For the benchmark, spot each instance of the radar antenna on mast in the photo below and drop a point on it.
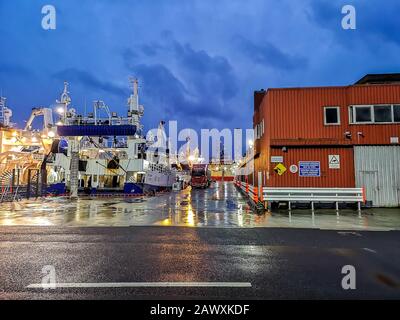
(64, 102)
(65, 98)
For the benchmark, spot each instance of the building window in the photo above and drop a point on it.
(374, 114)
(263, 127)
(363, 114)
(331, 115)
(383, 113)
(259, 130)
(396, 113)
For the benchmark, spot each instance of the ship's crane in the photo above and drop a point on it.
(47, 114)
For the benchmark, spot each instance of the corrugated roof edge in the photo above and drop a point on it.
(333, 87)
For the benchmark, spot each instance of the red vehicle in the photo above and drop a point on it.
(201, 176)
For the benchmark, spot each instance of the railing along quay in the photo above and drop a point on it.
(302, 195)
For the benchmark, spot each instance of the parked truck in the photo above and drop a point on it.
(201, 176)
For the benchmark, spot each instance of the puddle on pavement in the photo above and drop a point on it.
(219, 206)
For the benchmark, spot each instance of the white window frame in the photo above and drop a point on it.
(256, 131)
(352, 114)
(393, 105)
(262, 128)
(259, 130)
(338, 116)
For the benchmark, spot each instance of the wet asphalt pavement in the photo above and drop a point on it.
(220, 206)
(192, 237)
(278, 263)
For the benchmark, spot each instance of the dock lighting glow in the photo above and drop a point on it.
(51, 134)
(192, 158)
(34, 139)
(59, 123)
(13, 140)
(101, 151)
(60, 110)
(251, 143)
(14, 134)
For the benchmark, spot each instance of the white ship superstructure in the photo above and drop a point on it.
(108, 147)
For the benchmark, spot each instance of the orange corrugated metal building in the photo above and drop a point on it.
(304, 129)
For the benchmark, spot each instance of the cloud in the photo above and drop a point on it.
(376, 21)
(88, 80)
(265, 53)
(212, 75)
(165, 95)
(150, 50)
(196, 85)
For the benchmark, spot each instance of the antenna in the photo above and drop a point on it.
(84, 110)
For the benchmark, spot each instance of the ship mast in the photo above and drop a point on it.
(64, 102)
(135, 111)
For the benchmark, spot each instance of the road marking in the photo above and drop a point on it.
(369, 250)
(143, 285)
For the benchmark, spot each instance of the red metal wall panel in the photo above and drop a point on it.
(296, 116)
(341, 178)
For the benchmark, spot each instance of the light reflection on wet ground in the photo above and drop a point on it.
(219, 206)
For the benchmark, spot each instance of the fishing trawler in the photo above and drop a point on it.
(159, 173)
(104, 152)
(96, 153)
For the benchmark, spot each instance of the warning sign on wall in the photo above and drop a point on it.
(334, 161)
(280, 169)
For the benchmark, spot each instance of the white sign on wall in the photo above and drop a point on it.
(277, 159)
(294, 169)
(334, 161)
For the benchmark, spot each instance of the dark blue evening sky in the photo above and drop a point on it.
(198, 61)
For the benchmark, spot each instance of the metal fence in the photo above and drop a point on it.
(11, 188)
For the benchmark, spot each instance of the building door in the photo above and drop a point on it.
(260, 184)
(369, 181)
(377, 169)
